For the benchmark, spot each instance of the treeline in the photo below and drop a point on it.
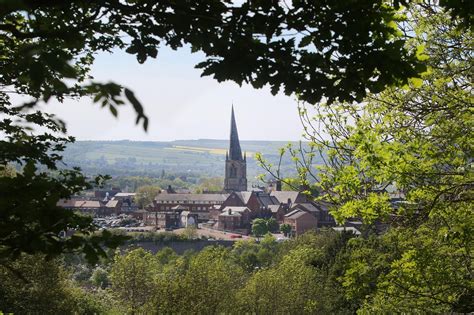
(325, 272)
(136, 158)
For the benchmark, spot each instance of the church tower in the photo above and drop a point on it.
(235, 164)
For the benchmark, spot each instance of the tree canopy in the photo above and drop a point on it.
(336, 51)
(403, 157)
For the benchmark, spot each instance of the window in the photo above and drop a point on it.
(233, 171)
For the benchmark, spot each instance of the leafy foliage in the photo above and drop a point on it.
(251, 255)
(146, 194)
(35, 285)
(415, 138)
(313, 49)
(285, 229)
(295, 48)
(132, 278)
(31, 221)
(404, 157)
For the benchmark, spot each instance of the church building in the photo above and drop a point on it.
(235, 163)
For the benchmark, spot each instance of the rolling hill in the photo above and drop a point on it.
(203, 157)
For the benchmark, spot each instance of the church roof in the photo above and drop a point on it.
(283, 196)
(244, 196)
(235, 153)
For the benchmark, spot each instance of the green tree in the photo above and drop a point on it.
(259, 227)
(33, 284)
(313, 49)
(146, 194)
(245, 254)
(31, 221)
(289, 288)
(285, 229)
(132, 277)
(213, 184)
(166, 256)
(205, 285)
(414, 143)
(190, 232)
(251, 255)
(100, 278)
(272, 225)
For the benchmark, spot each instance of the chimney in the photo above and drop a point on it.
(278, 185)
(230, 211)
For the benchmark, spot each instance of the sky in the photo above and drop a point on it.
(179, 103)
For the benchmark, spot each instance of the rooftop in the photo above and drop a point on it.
(296, 214)
(192, 197)
(283, 196)
(234, 211)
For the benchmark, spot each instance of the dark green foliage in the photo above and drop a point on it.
(35, 285)
(252, 256)
(100, 278)
(259, 227)
(339, 50)
(285, 229)
(272, 225)
(336, 50)
(30, 220)
(418, 138)
(159, 237)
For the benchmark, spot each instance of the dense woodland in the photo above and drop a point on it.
(385, 95)
(325, 272)
(314, 273)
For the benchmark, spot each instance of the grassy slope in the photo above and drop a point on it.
(203, 156)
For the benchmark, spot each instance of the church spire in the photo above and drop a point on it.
(235, 153)
(235, 164)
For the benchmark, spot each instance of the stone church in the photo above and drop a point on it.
(235, 162)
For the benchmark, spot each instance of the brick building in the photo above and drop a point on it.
(257, 202)
(195, 203)
(163, 220)
(300, 221)
(234, 218)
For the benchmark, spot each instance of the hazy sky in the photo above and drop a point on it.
(179, 103)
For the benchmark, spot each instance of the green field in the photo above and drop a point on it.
(205, 157)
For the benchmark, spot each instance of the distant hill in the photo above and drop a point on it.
(203, 157)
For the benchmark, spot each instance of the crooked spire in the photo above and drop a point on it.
(235, 153)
